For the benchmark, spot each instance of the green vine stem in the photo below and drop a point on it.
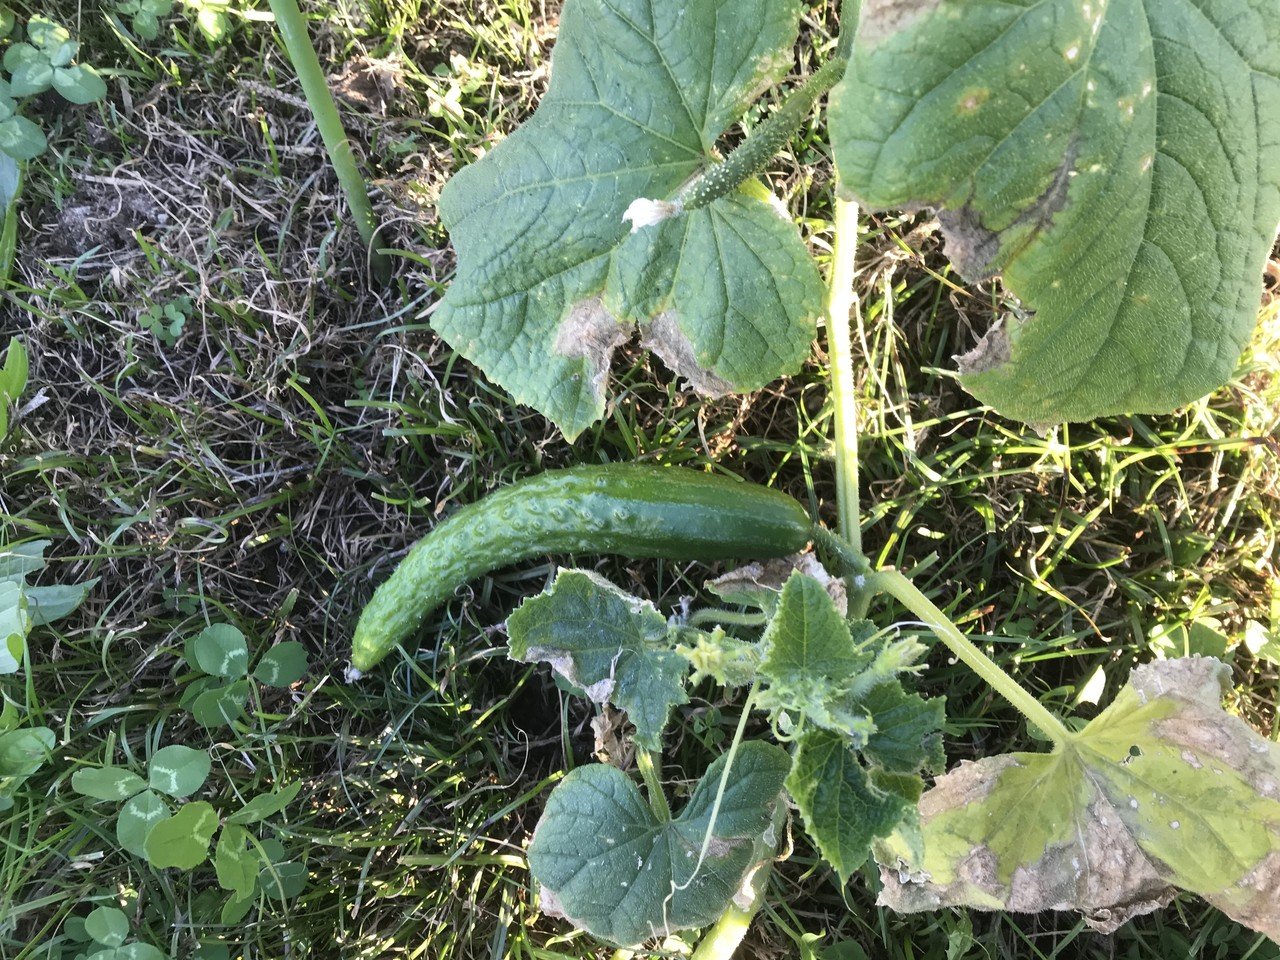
(293, 29)
(653, 786)
(841, 303)
(906, 592)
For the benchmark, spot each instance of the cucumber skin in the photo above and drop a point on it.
(636, 511)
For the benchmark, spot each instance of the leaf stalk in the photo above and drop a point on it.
(653, 786)
(902, 589)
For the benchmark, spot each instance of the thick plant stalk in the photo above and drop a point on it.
(841, 303)
(293, 29)
(906, 592)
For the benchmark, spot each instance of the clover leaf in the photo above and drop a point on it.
(1162, 790)
(727, 295)
(182, 840)
(1117, 163)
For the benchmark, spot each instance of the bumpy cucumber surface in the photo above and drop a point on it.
(630, 510)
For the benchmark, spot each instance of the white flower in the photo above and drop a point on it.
(646, 213)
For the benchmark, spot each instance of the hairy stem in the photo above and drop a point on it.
(293, 29)
(906, 592)
(730, 617)
(653, 786)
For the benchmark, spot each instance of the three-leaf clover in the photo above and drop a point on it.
(175, 771)
(221, 653)
(109, 928)
(166, 321)
(45, 61)
(144, 15)
(149, 827)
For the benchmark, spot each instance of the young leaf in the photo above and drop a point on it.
(816, 669)
(1117, 162)
(108, 926)
(282, 665)
(640, 91)
(136, 819)
(182, 840)
(178, 771)
(107, 783)
(266, 805)
(608, 865)
(22, 559)
(58, 600)
(236, 862)
(612, 645)
(219, 649)
(845, 806)
(1162, 790)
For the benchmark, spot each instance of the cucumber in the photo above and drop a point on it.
(630, 510)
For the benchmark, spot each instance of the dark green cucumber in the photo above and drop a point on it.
(633, 511)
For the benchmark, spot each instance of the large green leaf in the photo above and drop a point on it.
(549, 279)
(606, 863)
(1162, 790)
(1118, 161)
(612, 646)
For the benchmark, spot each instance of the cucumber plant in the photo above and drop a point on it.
(1117, 164)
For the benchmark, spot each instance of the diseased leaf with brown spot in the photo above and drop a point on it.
(1116, 161)
(551, 280)
(1162, 791)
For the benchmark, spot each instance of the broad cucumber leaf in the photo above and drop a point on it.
(1117, 161)
(1162, 790)
(608, 865)
(550, 280)
(614, 647)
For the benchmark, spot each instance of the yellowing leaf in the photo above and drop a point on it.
(1164, 790)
